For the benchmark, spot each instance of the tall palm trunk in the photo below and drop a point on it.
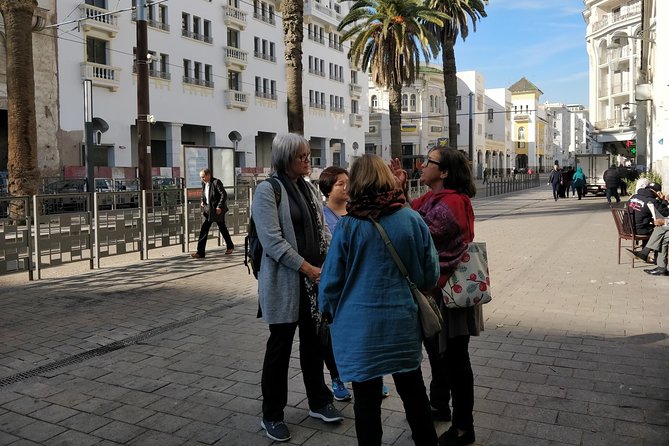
(395, 114)
(22, 127)
(293, 26)
(450, 87)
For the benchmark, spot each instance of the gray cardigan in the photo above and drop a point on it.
(278, 279)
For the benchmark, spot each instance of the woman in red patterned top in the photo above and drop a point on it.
(447, 210)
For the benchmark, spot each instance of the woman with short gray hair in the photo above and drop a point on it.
(294, 237)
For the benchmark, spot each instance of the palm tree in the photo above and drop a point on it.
(388, 37)
(457, 25)
(22, 127)
(292, 12)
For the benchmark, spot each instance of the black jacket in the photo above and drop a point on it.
(218, 198)
(643, 219)
(555, 177)
(612, 177)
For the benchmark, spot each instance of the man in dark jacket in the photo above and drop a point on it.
(214, 207)
(638, 204)
(612, 181)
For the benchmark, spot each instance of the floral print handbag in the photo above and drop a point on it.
(470, 283)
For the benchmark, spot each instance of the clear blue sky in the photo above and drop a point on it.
(543, 40)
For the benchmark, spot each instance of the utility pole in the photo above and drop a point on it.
(143, 125)
(471, 129)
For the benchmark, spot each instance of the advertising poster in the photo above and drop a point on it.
(197, 158)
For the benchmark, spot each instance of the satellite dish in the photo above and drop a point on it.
(235, 136)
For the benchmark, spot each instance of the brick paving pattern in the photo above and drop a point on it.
(168, 351)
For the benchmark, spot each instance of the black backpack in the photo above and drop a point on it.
(253, 250)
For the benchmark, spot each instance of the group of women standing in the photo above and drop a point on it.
(373, 318)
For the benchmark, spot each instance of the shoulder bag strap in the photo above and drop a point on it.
(393, 252)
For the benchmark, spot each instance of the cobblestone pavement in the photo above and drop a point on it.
(168, 351)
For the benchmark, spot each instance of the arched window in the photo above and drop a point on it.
(405, 102)
(413, 102)
(521, 133)
(374, 103)
(431, 103)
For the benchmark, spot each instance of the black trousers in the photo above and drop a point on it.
(612, 192)
(367, 409)
(274, 381)
(204, 232)
(452, 379)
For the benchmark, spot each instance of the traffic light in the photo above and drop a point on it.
(631, 145)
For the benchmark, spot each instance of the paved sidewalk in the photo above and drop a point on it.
(168, 351)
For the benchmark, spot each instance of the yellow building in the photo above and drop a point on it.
(529, 126)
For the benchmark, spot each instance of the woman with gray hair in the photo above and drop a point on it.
(294, 237)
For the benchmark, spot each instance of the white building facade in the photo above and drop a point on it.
(216, 80)
(615, 54)
(559, 130)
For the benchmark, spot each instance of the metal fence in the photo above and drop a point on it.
(504, 185)
(44, 231)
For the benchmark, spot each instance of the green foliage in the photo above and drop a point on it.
(653, 177)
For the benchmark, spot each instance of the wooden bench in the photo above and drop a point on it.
(624, 219)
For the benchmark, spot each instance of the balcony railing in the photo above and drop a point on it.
(317, 105)
(314, 8)
(155, 73)
(355, 89)
(267, 18)
(265, 95)
(607, 124)
(234, 17)
(265, 56)
(102, 75)
(99, 19)
(355, 120)
(198, 81)
(336, 77)
(631, 11)
(337, 109)
(236, 99)
(317, 72)
(235, 56)
(197, 36)
(335, 45)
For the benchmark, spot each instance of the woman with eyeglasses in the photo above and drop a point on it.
(447, 210)
(294, 237)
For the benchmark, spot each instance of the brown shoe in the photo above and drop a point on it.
(195, 255)
(229, 251)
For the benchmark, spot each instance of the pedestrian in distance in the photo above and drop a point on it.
(375, 325)
(448, 212)
(295, 238)
(214, 207)
(554, 180)
(578, 182)
(623, 175)
(567, 182)
(612, 182)
(486, 175)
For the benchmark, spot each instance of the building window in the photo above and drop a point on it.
(521, 133)
(354, 106)
(97, 3)
(412, 104)
(458, 128)
(458, 102)
(233, 38)
(374, 103)
(405, 102)
(234, 80)
(207, 31)
(208, 76)
(185, 24)
(96, 51)
(490, 114)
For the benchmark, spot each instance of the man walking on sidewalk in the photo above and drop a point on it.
(214, 206)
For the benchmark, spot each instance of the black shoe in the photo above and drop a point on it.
(451, 438)
(639, 255)
(657, 271)
(441, 414)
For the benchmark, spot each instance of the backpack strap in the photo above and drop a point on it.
(277, 189)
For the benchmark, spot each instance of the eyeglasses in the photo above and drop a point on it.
(304, 158)
(427, 161)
